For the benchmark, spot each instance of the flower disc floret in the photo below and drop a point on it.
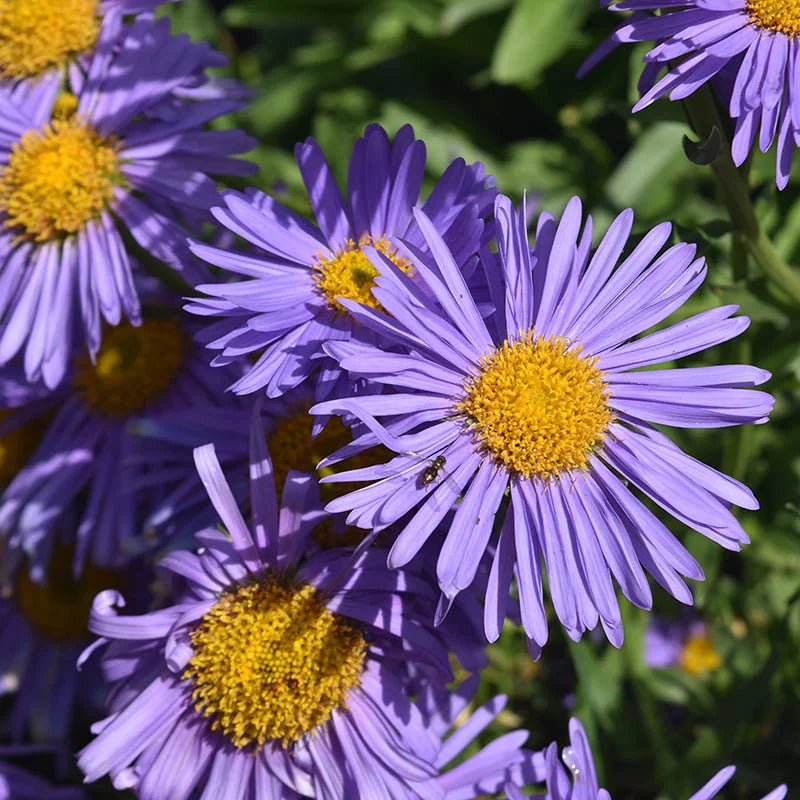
(134, 366)
(57, 179)
(779, 16)
(350, 273)
(59, 607)
(38, 34)
(538, 406)
(271, 662)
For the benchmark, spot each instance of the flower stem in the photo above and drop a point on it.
(704, 116)
(638, 674)
(738, 445)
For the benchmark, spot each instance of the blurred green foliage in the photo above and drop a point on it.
(494, 80)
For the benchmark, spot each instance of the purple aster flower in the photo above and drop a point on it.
(686, 644)
(279, 674)
(579, 780)
(87, 463)
(294, 446)
(696, 40)
(540, 419)
(125, 148)
(290, 306)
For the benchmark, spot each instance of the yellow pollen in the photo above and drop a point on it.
(538, 407)
(778, 16)
(17, 446)
(57, 179)
(60, 607)
(350, 274)
(36, 35)
(699, 656)
(134, 366)
(271, 663)
(65, 106)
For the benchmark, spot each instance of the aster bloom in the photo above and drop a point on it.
(124, 149)
(275, 674)
(297, 273)
(294, 445)
(43, 630)
(542, 403)
(684, 644)
(696, 40)
(85, 464)
(579, 780)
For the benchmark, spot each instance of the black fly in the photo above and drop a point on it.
(431, 472)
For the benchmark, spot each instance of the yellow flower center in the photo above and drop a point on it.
(272, 663)
(60, 608)
(350, 274)
(778, 16)
(134, 366)
(57, 179)
(38, 34)
(17, 446)
(699, 656)
(538, 407)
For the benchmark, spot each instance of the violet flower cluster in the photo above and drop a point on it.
(261, 536)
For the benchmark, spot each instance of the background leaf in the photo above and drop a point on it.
(535, 34)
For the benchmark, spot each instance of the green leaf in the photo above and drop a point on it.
(536, 33)
(460, 12)
(674, 686)
(599, 679)
(705, 152)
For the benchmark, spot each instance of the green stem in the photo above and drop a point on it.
(704, 116)
(655, 727)
(775, 268)
(737, 448)
(739, 258)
